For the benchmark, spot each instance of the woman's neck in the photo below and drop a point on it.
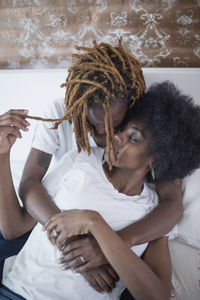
(126, 181)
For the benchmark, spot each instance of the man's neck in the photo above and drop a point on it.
(100, 140)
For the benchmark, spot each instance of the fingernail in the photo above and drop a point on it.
(26, 111)
(61, 261)
(25, 129)
(27, 123)
(65, 267)
(73, 270)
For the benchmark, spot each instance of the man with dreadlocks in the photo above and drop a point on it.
(98, 87)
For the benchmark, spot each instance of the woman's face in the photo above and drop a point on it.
(96, 117)
(131, 146)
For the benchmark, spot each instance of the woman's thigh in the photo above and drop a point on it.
(10, 247)
(7, 294)
(126, 295)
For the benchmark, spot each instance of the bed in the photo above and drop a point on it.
(34, 89)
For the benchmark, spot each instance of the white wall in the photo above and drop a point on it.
(31, 88)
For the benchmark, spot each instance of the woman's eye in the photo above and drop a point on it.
(133, 139)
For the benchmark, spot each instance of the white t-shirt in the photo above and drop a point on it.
(56, 141)
(78, 181)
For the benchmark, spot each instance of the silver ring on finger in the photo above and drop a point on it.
(54, 233)
(82, 259)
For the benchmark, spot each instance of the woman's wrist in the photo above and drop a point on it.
(94, 220)
(97, 225)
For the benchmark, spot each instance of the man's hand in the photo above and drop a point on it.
(102, 279)
(82, 255)
(10, 124)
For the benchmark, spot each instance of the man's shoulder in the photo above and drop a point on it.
(58, 105)
(59, 102)
(54, 109)
(94, 158)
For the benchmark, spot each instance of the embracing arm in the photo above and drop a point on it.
(166, 214)
(148, 279)
(40, 206)
(34, 196)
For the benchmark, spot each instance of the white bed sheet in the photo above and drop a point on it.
(186, 271)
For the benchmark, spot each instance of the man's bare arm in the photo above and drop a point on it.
(162, 218)
(34, 196)
(14, 220)
(40, 206)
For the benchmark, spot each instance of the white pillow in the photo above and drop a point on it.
(188, 228)
(185, 271)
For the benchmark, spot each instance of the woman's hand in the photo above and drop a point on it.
(69, 223)
(10, 124)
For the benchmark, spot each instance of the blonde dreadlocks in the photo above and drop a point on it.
(100, 75)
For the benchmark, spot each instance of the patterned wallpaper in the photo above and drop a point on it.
(42, 33)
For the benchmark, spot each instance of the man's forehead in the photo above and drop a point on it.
(96, 113)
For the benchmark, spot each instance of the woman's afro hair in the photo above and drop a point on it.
(174, 124)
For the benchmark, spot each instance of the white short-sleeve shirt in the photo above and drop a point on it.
(56, 141)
